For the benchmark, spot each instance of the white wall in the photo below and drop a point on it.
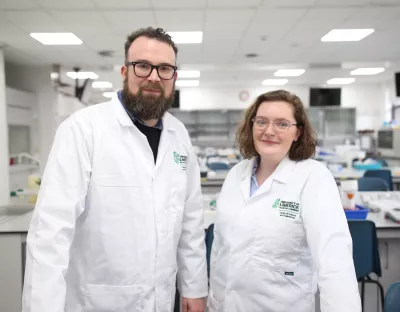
(22, 111)
(38, 81)
(369, 100)
(4, 159)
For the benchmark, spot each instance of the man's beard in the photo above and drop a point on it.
(147, 107)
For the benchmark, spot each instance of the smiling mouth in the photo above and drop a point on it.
(269, 142)
(152, 90)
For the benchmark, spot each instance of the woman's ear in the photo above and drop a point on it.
(299, 130)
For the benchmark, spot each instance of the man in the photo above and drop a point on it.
(120, 207)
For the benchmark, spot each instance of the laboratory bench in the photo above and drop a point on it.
(15, 220)
(344, 174)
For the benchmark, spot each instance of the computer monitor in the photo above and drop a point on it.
(325, 97)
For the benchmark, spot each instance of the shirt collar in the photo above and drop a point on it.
(281, 173)
(255, 165)
(135, 118)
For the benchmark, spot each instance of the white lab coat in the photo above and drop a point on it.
(110, 227)
(272, 250)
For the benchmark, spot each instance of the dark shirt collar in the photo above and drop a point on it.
(135, 118)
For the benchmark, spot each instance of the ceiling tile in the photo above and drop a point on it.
(99, 42)
(333, 17)
(178, 4)
(228, 20)
(278, 18)
(233, 4)
(70, 4)
(128, 21)
(34, 21)
(123, 4)
(288, 3)
(342, 3)
(18, 4)
(83, 22)
(180, 20)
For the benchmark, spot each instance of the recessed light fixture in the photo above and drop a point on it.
(101, 84)
(367, 71)
(289, 72)
(82, 75)
(109, 94)
(56, 38)
(188, 73)
(340, 81)
(346, 35)
(274, 82)
(187, 83)
(186, 36)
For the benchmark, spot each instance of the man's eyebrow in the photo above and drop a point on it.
(146, 61)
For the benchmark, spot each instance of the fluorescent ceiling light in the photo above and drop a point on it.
(187, 36)
(56, 38)
(367, 71)
(340, 81)
(188, 73)
(109, 94)
(187, 83)
(347, 34)
(289, 72)
(82, 75)
(274, 82)
(101, 84)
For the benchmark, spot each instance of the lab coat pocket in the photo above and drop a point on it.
(104, 298)
(278, 246)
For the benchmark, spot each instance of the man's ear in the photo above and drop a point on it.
(124, 71)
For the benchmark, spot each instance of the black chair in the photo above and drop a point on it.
(366, 255)
(392, 298)
(372, 185)
(383, 174)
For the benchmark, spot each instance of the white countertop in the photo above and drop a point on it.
(15, 219)
(349, 173)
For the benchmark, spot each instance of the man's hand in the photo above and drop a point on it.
(193, 305)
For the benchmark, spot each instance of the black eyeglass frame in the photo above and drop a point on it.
(152, 68)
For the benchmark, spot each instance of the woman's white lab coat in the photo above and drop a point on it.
(273, 250)
(110, 227)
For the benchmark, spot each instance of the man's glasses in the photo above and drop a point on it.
(144, 70)
(279, 125)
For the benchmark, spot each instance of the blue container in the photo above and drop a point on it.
(375, 166)
(360, 213)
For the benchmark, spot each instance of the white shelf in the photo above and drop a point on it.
(22, 168)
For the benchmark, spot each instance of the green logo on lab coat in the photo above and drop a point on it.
(176, 157)
(276, 203)
(180, 160)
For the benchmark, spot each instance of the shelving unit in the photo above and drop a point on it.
(333, 125)
(210, 127)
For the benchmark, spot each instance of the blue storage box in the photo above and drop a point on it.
(375, 166)
(360, 213)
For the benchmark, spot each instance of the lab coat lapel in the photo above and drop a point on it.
(167, 138)
(245, 180)
(280, 175)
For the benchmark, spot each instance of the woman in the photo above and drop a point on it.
(280, 231)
